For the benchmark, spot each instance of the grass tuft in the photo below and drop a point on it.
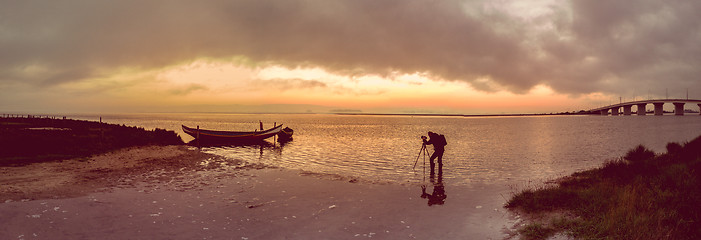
(639, 154)
(536, 231)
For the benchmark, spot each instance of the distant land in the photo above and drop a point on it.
(465, 115)
(321, 109)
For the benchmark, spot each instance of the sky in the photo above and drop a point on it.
(373, 56)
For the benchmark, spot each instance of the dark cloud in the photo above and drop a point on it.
(629, 46)
(578, 47)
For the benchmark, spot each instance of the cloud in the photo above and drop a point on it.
(627, 46)
(575, 47)
(286, 84)
(187, 89)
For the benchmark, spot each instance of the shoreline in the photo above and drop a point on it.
(34, 139)
(464, 115)
(177, 192)
(83, 175)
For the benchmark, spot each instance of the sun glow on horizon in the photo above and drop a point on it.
(212, 83)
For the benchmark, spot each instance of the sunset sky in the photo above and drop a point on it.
(379, 56)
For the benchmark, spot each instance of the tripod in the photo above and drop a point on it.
(423, 152)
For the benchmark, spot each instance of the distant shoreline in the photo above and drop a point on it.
(461, 115)
(580, 113)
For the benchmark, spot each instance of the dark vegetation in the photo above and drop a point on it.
(31, 140)
(640, 196)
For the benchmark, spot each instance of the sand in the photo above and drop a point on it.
(76, 177)
(177, 192)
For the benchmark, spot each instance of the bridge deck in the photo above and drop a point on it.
(646, 102)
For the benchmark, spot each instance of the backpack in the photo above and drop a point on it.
(441, 140)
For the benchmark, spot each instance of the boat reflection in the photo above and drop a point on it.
(438, 196)
(256, 152)
(262, 143)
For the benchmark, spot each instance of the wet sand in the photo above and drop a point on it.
(176, 192)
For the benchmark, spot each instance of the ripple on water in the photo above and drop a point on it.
(489, 149)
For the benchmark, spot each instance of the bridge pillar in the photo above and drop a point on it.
(679, 108)
(658, 108)
(626, 109)
(614, 111)
(641, 109)
(605, 112)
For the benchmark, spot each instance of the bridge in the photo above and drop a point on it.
(615, 109)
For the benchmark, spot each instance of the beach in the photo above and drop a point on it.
(178, 192)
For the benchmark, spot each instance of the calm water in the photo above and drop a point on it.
(480, 150)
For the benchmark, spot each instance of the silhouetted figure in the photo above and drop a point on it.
(438, 141)
(438, 196)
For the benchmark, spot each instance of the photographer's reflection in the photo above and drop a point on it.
(438, 196)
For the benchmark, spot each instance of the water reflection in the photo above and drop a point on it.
(495, 150)
(438, 196)
(260, 144)
(244, 151)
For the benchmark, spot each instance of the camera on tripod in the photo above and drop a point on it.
(422, 152)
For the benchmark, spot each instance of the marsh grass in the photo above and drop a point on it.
(639, 196)
(31, 140)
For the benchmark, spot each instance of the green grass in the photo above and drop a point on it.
(640, 196)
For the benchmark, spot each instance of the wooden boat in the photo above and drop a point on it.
(285, 135)
(230, 136)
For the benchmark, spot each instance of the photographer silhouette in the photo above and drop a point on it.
(438, 141)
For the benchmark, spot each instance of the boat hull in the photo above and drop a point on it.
(230, 136)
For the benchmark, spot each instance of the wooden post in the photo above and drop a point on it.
(274, 136)
(198, 136)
